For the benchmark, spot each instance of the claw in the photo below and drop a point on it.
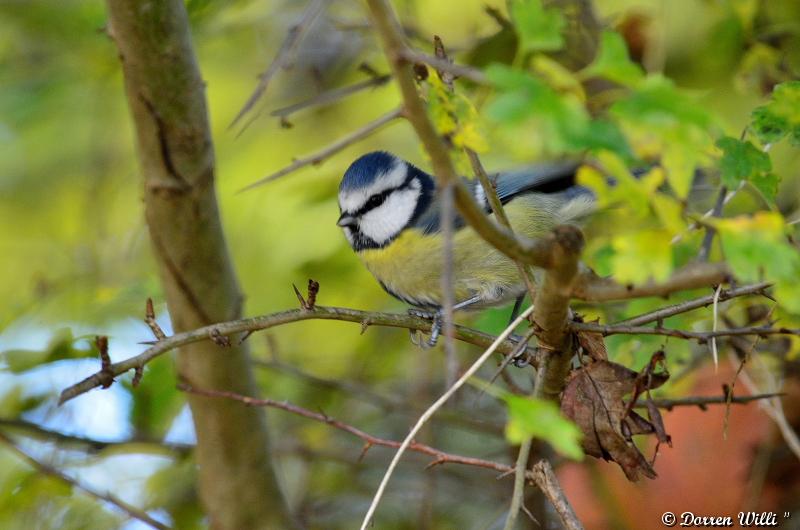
(436, 326)
(436, 329)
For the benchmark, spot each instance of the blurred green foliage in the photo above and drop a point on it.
(670, 108)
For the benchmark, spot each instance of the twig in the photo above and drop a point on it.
(708, 238)
(689, 305)
(446, 220)
(150, 320)
(91, 445)
(440, 457)
(774, 409)
(232, 327)
(318, 157)
(432, 410)
(448, 297)
(500, 213)
(591, 288)
(445, 65)
(46, 469)
(546, 479)
(697, 224)
(331, 96)
(282, 58)
(519, 484)
(715, 313)
(703, 401)
(700, 336)
(387, 403)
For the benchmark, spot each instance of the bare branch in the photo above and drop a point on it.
(708, 238)
(445, 65)
(703, 401)
(519, 484)
(700, 336)
(318, 157)
(689, 305)
(546, 479)
(48, 470)
(91, 445)
(233, 327)
(385, 402)
(591, 288)
(440, 457)
(283, 57)
(331, 96)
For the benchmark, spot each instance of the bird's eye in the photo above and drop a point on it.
(374, 201)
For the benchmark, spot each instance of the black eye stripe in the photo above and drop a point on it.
(379, 198)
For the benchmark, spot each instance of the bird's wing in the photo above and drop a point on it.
(557, 178)
(553, 177)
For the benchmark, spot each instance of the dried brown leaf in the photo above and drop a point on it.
(594, 399)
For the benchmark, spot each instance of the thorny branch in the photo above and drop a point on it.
(690, 305)
(700, 336)
(330, 96)
(234, 327)
(439, 457)
(48, 470)
(318, 157)
(91, 445)
(283, 57)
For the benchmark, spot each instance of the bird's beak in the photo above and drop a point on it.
(346, 220)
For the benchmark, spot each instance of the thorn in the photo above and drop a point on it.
(299, 297)
(367, 446)
(245, 336)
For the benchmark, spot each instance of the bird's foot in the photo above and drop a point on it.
(436, 325)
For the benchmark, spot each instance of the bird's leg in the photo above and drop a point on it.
(437, 317)
(517, 306)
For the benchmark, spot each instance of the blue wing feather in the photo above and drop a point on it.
(557, 178)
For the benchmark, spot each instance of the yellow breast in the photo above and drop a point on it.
(410, 267)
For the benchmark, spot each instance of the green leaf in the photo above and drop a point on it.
(756, 248)
(156, 401)
(561, 119)
(767, 184)
(537, 418)
(741, 160)
(781, 116)
(642, 256)
(613, 63)
(669, 122)
(538, 28)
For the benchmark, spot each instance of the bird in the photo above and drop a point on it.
(390, 213)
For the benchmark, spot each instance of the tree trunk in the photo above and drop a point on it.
(166, 96)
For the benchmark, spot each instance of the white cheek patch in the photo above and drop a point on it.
(387, 220)
(353, 200)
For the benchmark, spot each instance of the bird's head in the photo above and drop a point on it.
(379, 197)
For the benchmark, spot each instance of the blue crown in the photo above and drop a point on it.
(366, 169)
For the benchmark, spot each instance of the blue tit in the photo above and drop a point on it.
(390, 214)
